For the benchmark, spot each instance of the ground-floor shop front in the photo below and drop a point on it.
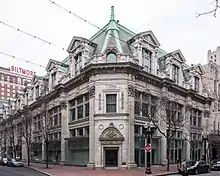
(77, 151)
(38, 151)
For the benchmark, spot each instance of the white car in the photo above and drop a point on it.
(4, 161)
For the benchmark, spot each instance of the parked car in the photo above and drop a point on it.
(196, 167)
(215, 166)
(15, 163)
(4, 161)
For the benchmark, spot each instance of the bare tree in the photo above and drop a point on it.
(213, 11)
(45, 121)
(26, 130)
(172, 115)
(11, 136)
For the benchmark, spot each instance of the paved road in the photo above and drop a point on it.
(18, 171)
(213, 173)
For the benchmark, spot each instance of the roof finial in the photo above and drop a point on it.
(112, 13)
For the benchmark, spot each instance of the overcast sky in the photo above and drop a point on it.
(173, 22)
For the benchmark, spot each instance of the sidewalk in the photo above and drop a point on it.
(60, 170)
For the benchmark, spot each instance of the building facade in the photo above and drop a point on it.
(12, 80)
(92, 108)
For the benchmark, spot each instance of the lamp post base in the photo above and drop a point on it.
(148, 170)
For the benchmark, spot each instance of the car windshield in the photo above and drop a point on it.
(191, 163)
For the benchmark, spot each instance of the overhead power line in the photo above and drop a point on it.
(86, 21)
(31, 35)
(18, 58)
(74, 14)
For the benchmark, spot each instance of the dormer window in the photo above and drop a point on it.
(111, 57)
(196, 83)
(147, 60)
(78, 63)
(37, 91)
(175, 74)
(53, 79)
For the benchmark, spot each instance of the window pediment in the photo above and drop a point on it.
(111, 135)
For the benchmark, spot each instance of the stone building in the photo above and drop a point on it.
(94, 105)
(212, 85)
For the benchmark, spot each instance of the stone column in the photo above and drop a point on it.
(24, 150)
(64, 130)
(186, 130)
(43, 156)
(131, 140)
(91, 163)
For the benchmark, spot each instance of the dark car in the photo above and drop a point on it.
(197, 167)
(215, 166)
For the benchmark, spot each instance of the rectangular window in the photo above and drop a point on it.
(19, 80)
(8, 78)
(147, 60)
(111, 105)
(196, 83)
(80, 131)
(78, 63)
(37, 93)
(79, 107)
(73, 132)
(175, 72)
(53, 79)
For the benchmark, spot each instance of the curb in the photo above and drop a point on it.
(164, 174)
(38, 170)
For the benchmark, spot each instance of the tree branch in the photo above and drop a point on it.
(214, 11)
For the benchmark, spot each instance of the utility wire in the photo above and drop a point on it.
(74, 14)
(31, 35)
(86, 21)
(18, 58)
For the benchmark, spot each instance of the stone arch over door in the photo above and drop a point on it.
(111, 136)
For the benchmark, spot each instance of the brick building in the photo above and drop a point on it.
(12, 80)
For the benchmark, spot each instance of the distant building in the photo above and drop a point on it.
(11, 80)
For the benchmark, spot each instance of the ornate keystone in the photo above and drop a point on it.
(131, 90)
(91, 91)
(63, 105)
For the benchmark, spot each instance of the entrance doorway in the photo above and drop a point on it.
(111, 157)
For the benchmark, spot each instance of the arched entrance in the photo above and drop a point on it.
(111, 140)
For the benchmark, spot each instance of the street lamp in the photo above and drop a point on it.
(204, 139)
(148, 148)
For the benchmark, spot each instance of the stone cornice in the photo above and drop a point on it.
(126, 67)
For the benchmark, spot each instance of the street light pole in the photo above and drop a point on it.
(205, 152)
(148, 136)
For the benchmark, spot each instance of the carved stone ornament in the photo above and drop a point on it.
(131, 90)
(91, 91)
(111, 136)
(63, 104)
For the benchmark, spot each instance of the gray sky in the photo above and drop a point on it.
(173, 22)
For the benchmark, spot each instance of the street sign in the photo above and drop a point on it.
(147, 147)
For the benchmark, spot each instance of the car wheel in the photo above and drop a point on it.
(196, 172)
(208, 170)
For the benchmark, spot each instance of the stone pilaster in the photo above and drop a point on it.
(131, 94)
(91, 163)
(24, 150)
(43, 157)
(64, 130)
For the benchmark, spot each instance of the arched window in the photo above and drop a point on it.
(111, 57)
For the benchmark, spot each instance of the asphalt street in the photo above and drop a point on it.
(213, 173)
(18, 171)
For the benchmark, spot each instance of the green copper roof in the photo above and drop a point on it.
(112, 35)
